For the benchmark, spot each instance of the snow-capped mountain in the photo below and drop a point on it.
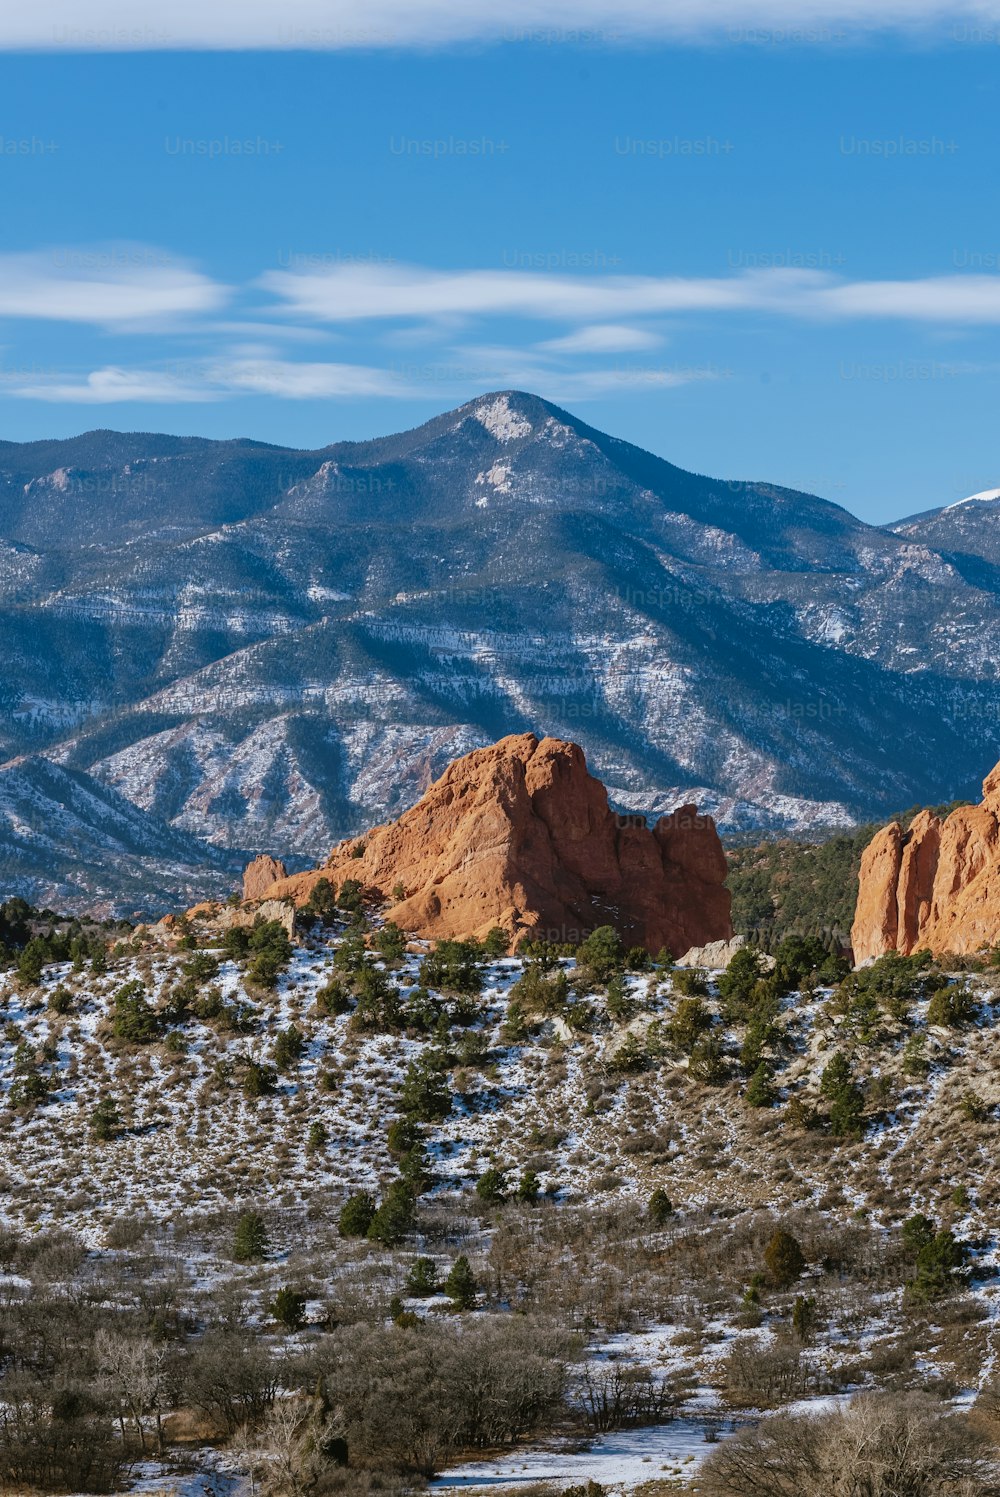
(269, 649)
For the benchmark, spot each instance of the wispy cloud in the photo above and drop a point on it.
(107, 286)
(114, 386)
(603, 338)
(360, 293)
(116, 25)
(288, 380)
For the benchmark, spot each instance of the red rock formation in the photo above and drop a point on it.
(936, 886)
(521, 835)
(259, 875)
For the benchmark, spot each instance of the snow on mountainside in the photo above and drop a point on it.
(264, 649)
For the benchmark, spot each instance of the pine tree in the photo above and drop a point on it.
(760, 1090)
(356, 1215)
(784, 1258)
(394, 1218)
(250, 1243)
(288, 1308)
(105, 1120)
(660, 1208)
(528, 1188)
(491, 1187)
(422, 1279)
(460, 1286)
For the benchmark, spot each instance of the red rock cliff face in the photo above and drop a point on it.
(935, 886)
(259, 875)
(521, 835)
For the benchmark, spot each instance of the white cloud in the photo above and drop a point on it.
(294, 381)
(286, 380)
(345, 294)
(603, 338)
(208, 381)
(112, 385)
(108, 286)
(117, 25)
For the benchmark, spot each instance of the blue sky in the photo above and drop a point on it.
(758, 258)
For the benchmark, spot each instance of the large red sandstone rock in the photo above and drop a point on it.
(259, 876)
(521, 835)
(936, 886)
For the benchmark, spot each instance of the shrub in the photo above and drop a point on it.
(939, 1261)
(258, 1080)
(453, 966)
(847, 1102)
(322, 902)
(629, 1056)
(390, 942)
(105, 1120)
(621, 1005)
(496, 942)
(333, 999)
(689, 982)
(352, 893)
(379, 1007)
(738, 984)
(60, 1000)
(289, 1047)
(804, 1316)
(250, 1243)
(951, 1007)
(879, 1444)
(403, 1135)
(317, 1137)
(356, 1215)
(708, 1064)
(784, 1258)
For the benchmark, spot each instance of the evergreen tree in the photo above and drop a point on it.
(760, 1088)
(394, 1218)
(105, 1120)
(424, 1095)
(660, 1208)
(784, 1258)
(288, 1308)
(422, 1280)
(601, 954)
(491, 1186)
(289, 1048)
(460, 1286)
(356, 1215)
(804, 1316)
(528, 1188)
(390, 942)
(134, 1020)
(250, 1243)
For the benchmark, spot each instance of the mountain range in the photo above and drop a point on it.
(215, 648)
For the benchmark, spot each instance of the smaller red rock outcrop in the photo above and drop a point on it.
(259, 875)
(934, 886)
(521, 835)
